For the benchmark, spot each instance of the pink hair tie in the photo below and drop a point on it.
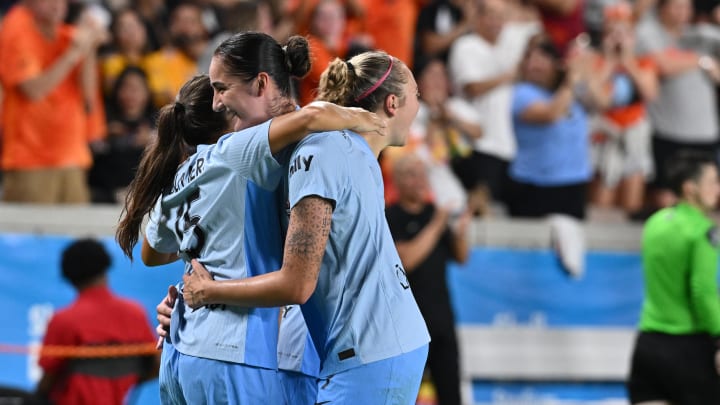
(379, 82)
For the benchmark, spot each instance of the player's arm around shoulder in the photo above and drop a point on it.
(294, 283)
(307, 237)
(152, 257)
(320, 116)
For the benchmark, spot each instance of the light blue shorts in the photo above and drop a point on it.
(189, 380)
(299, 389)
(393, 381)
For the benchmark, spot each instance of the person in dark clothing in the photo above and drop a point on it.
(427, 238)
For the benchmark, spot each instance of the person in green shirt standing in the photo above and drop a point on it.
(676, 359)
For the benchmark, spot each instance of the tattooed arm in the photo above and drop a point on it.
(307, 236)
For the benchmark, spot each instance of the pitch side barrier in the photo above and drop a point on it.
(521, 318)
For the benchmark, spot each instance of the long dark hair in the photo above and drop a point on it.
(113, 101)
(189, 121)
(246, 54)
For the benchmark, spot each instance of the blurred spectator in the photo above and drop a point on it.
(483, 66)
(300, 12)
(552, 167)
(391, 24)
(130, 46)
(621, 138)
(685, 113)
(78, 380)
(154, 15)
(171, 66)
(439, 24)
(51, 108)
(328, 40)
(444, 129)
(241, 16)
(426, 242)
(130, 126)
(563, 20)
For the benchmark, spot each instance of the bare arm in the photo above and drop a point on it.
(547, 112)
(434, 43)
(471, 129)
(460, 245)
(152, 257)
(645, 79)
(39, 86)
(475, 89)
(294, 283)
(675, 63)
(414, 251)
(320, 116)
(89, 81)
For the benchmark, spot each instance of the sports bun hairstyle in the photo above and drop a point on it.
(363, 81)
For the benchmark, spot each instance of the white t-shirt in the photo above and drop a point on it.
(473, 59)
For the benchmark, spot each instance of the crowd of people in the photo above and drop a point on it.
(538, 106)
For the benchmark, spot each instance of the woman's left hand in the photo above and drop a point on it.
(195, 285)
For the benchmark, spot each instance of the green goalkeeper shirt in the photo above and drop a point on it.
(680, 265)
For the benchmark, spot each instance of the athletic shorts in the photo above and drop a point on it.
(679, 369)
(197, 381)
(391, 381)
(665, 150)
(298, 388)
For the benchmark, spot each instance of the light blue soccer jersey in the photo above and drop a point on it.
(296, 351)
(362, 309)
(220, 210)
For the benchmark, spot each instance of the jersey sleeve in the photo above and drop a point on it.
(248, 153)
(157, 233)
(703, 281)
(317, 167)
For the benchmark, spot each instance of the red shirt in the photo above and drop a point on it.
(97, 317)
(562, 29)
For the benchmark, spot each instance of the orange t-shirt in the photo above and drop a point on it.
(167, 70)
(391, 23)
(52, 132)
(321, 57)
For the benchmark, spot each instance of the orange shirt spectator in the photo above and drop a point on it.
(51, 131)
(321, 57)
(327, 40)
(391, 23)
(301, 12)
(171, 66)
(168, 69)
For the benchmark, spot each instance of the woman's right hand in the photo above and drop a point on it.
(164, 310)
(366, 121)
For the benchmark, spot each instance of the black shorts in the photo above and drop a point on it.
(664, 150)
(679, 369)
(531, 201)
(482, 169)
